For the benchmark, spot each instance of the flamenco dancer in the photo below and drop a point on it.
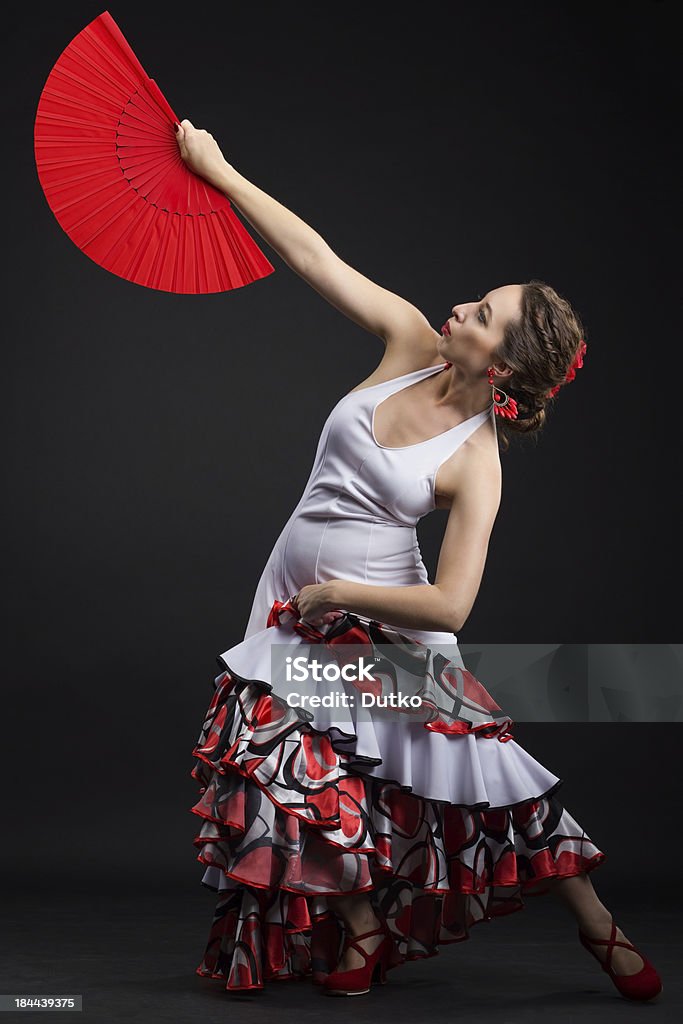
(338, 855)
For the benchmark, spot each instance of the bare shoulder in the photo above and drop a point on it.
(405, 352)
(475, 468)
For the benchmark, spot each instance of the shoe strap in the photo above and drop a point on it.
(353, 940)
(611, 943)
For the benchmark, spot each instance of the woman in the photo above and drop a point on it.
(340, 851)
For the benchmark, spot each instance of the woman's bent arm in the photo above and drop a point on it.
(446, 603)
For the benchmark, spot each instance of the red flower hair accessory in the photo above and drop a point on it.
(571, 372)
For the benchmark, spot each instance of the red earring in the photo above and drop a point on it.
(504, 404)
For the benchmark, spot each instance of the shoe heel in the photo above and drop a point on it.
(358, 980)
(379, 974)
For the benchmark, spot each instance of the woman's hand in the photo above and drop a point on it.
(316, 603)
(200, 151)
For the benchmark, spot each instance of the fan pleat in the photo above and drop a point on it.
(218, 255)
(110, 168)
(96, 222)
(108, 75)
(106, 27)
(165, 262)
(144, 248)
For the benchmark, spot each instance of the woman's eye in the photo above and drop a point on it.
(482, 316)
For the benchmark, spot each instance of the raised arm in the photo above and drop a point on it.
(372, 307)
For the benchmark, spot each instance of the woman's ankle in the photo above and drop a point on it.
(357, 916)
(366, 922)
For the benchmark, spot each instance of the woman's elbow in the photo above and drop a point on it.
(455, 608)
(450, 616)
(455, 624)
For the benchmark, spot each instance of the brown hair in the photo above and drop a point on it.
(539, 348)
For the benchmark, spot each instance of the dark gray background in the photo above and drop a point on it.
(156, 443)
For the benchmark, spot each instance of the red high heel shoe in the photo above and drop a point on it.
(645, 984)
(357, 982)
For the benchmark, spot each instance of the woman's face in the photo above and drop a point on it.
(470, 337)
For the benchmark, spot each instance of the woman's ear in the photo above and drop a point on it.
(502, 369)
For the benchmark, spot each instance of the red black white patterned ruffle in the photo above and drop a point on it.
(287, 821)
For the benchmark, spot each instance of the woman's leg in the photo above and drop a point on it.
(594, 919)
(358, 915)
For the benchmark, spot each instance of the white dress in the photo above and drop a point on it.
(456, 824)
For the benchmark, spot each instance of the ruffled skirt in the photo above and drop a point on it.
(443, 827)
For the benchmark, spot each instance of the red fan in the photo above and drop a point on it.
(110, 167)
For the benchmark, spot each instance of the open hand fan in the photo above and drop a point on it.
(110, 167)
